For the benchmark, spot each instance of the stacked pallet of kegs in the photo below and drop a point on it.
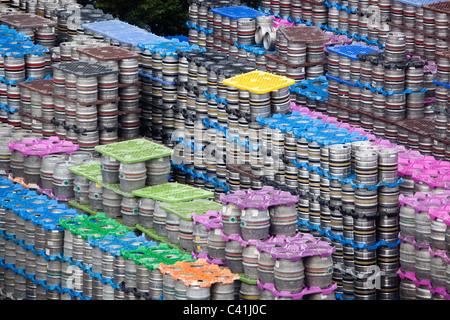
(260, 241)
(441, 147)
(424, 24)
(125, 87)
(197, 280)
(230, 28)
(50, 252)
(76, 86)
(299, 52)
(13, 134)
(348, 191)
(71, 17)
(106, 184)
(384, 93)
(424, 248)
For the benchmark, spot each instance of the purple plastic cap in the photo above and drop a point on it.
(211, 219)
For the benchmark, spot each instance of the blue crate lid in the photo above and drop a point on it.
(123, 32)
(351, 51)
(180, 38)
(238, 12)
(314, 89)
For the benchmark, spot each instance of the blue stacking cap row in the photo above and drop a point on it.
(123, 32)
(256, 49)
(32, 206)
(199, 29)
(339, 6)
(17, 44)
(351, 51)
(238, 12)
(203, 176)
(312, 130)
(314, 89)
(369, 86)
(170, 47)
(180, 38)
(443, 84)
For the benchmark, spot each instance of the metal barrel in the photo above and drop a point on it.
(318, 271)
(249, 291)
(216, 244)
(438, 234)
(422, 226)
(231, 219)
(423, 264)
(128, 70)
(246, 28)
(108, 87)
(62, 180)
(366, 167)
(109, 169)
(158, 170)
(250, 262)
(289, 275)
(172, 223)
(132, 176)
(111, 203)
(86, 89)
(364, 230)
(280, 101)
(233, 254)
(395, 47)
(129, 211)
(81, 189)
(88, 140)
(31, 169)
(87, 117)
(339, 160)
(14, 67)
(35, 65)
(95, 196)
(221, 291)
(266, 266)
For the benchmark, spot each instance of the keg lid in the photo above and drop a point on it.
(237, 12)
(84, 69)
(123, 32)
(352, 51)
(258, 82)
(441, 213)
(295, 248)
(198, 273)
(26, 21)
(108, 53)
(38, 147)
(194, 210)
(172, 192)
(304, 34)
(44, 87)
(440, 6)
(133, 151)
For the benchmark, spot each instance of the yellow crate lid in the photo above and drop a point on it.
(259, 82)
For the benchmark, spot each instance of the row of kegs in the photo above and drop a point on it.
(391, 102)
(352, 19)
(66, 256)
(195, 91)
(425, 246)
